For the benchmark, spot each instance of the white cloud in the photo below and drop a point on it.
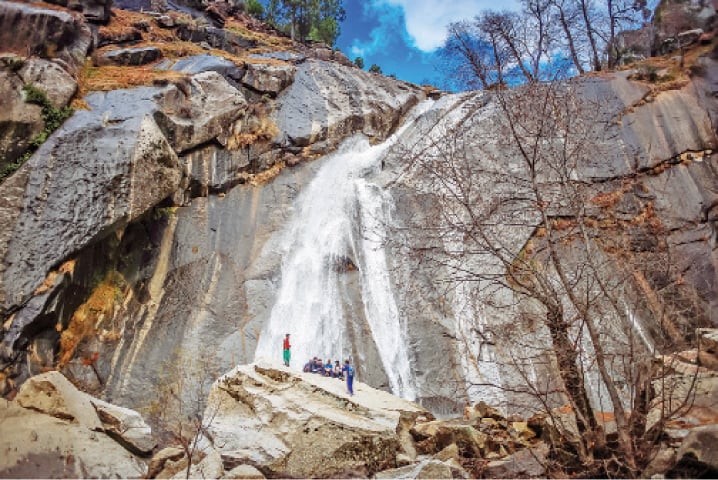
(389, 19)
(426, 20)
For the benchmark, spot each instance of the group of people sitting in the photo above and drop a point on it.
(316, 365)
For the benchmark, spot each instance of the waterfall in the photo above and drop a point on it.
(339, 217)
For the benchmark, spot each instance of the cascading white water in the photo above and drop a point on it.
(478, 357)
(339, 216)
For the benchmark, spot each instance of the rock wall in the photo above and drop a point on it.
(170, 229)
(146, 229)
(642, 155)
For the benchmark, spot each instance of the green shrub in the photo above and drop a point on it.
(255, 9)
(52, 117)
(646, 73)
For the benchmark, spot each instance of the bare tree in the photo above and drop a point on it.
(180, 411)
(621, 13)
(566, 13)
(546, 250)
(521, 47)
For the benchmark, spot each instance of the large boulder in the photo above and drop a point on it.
(96, 11)
(304, 425)
(268, 78)
(58, 85)
(199, 110)
(20, 121)
(129, 56)
(51, 393)
(60, 35)
(206, 63)
(52, 430)
(104, 167)
(328, 102)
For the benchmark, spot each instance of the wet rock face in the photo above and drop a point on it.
(115, 150)
(660, 169)
(118, 128)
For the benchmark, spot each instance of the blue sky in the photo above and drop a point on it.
(401, 36)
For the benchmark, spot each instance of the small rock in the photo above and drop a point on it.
(522, 430)
(452, 451)
(127, 426)
(165, 21)
(485, 411)
(527, 462)
(209, 467)
(435, 469)
(664, 460)
(159, 460)
(700, 445)
(130, 56)
(403, 459)
(244, 472)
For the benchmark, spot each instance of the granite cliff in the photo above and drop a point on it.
(216, 187)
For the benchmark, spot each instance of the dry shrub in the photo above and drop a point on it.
(86, 319)
(274, 41)
(563, 223)
(122, 22)
(608, 199)
(49, 282)
(113, 77)
(265, 176)
(256, 127)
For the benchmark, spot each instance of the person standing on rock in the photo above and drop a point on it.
(349, 373)
(287, 352)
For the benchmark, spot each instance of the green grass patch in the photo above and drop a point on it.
(52, 117)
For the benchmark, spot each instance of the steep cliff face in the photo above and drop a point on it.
(149, 209)
(646, 168)
(161, 223)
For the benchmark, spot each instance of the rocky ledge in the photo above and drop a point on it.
(275, 422)
(267, 421)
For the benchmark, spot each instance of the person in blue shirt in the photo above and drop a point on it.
(328, 368)
(349, 374)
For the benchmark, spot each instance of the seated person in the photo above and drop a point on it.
(328, 368)
(308, 366)
(317, 367)
(337, 373)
